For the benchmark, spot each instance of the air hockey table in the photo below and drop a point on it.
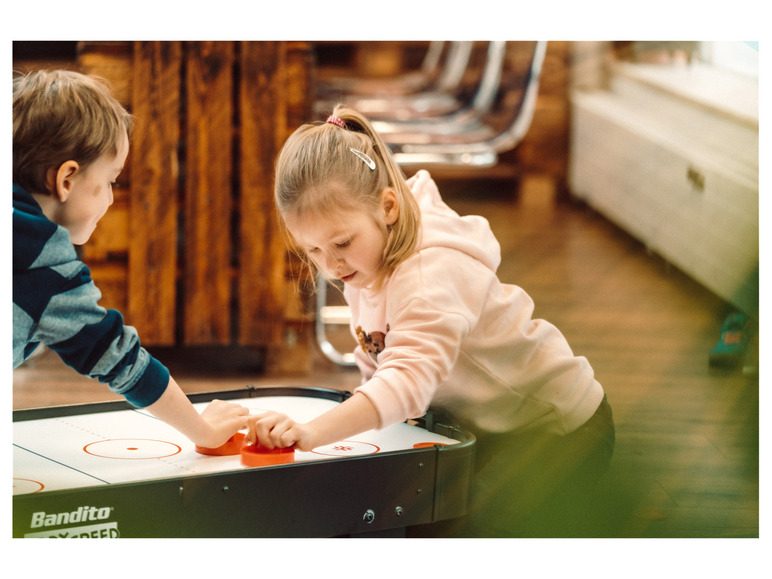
(110, 470)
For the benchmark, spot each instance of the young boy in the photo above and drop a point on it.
(70, 142)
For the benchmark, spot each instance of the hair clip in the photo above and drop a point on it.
(368, 161)
(336, 121)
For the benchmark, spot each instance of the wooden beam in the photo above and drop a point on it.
(208, 192)
(154, 175)
(261, 287)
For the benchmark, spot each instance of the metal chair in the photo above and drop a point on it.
(457, 121)
(441, 97)
(410, 82)
(326, 315)
(474, 140)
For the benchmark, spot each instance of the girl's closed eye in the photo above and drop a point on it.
(342, 244)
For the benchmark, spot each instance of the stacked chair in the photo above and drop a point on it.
(432, 91)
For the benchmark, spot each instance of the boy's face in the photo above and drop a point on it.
(91, 193)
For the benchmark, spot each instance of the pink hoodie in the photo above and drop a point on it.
(445, 331)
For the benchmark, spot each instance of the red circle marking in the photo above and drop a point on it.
(112, 449)
(32, 483)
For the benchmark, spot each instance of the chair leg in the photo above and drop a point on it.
(330, 315)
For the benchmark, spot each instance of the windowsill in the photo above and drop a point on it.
(729, 93)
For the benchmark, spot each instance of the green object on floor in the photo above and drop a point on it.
(732, 344)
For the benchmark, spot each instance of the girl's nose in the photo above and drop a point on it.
(332, 260)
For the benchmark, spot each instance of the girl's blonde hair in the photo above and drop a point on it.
(60, 116)
(318, 172)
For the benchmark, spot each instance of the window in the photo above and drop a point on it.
(740, 57)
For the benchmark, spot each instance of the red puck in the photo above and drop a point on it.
(258, 455)
(232, 447)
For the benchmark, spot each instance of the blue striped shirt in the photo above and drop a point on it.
(55, 302)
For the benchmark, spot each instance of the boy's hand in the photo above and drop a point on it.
(211, 428)
(224, 420)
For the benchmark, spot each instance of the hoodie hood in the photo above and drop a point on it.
(443, 227)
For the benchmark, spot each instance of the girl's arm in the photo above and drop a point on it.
(351, 417)
(212, 428)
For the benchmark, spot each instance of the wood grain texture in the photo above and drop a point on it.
(155, 169)
(273, 99)
(208, 193)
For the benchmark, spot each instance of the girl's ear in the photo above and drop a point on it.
(390, 205)
(59, 180)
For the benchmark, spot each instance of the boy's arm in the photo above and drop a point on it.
(212, 428)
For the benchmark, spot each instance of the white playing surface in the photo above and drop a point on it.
(131, 445)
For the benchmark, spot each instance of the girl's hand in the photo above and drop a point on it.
(275, 430)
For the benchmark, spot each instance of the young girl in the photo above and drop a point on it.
(437, 328)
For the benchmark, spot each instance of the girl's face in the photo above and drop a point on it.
(349, 244)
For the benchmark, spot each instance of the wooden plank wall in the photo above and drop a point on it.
(274, 99)
(192, 253)
(208, 193)
(151, 283)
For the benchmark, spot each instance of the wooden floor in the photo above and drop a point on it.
(686, 461)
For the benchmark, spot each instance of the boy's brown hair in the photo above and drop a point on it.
(59, 116)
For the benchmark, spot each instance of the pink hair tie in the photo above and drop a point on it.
(336, 121)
